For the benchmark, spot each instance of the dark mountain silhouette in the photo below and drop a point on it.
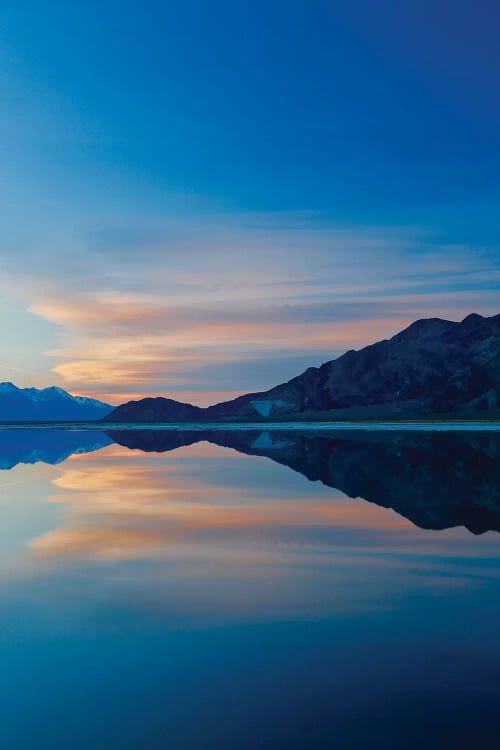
(433, 366)
(156, 410)
(47, 404)
(437, 480)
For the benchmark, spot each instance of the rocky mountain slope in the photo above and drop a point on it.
(433, 366)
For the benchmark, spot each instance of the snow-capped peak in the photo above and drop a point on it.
(47, 404)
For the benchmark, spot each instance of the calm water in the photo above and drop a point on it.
(249, 589)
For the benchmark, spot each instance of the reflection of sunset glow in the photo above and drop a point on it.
(206, 531)
(95, 542)
(121, 505)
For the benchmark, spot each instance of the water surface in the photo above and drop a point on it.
(251, 588)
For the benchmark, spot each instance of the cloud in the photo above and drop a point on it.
(166, 308)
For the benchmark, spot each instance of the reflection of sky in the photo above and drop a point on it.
(207, 599)
(204, 532)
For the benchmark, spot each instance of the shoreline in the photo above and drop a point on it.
(438, 425)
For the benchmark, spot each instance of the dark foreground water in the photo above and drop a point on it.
(243, 590)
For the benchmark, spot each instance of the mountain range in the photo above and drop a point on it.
(47, 404)
(434, 366)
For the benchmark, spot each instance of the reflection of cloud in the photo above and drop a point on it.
(96, 543)
(122, 506)
(204, 533)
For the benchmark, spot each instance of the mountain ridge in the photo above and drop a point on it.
(47, 404)
(432, 366)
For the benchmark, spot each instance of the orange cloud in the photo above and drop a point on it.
(247, 288)
(118, 343)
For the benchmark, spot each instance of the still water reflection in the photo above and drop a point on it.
(180, 590)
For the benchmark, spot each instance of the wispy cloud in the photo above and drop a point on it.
(165, 309)
(12, 369)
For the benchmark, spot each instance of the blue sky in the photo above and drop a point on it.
(201, 199)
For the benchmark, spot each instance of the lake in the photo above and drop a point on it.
(243, 589)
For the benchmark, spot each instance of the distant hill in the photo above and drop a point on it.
(47, 404)
(433, 366)
(156, 410)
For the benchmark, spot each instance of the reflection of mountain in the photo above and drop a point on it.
(435, 479)
(48, 446)
(160, 441)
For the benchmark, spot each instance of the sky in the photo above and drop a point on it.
(201, 199)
